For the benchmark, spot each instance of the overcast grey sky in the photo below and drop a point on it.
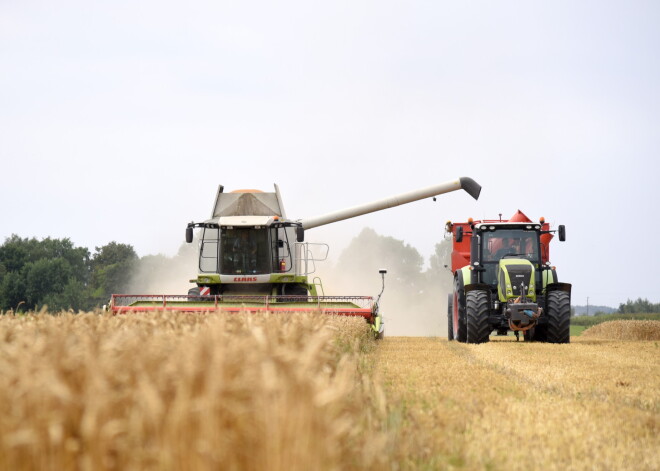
(119, 119)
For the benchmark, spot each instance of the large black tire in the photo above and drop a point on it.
(450, 317)
(194, 291)
(478, 328)
(539, 333)
(458, 305)
(559, 317)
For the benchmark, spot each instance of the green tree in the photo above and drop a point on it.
(640, 306)
(112, 268)
(12, 292)
(36, 272)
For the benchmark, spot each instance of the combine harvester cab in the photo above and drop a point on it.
(503, 280)
(253, 258)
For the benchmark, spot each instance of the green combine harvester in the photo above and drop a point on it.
(253, 258)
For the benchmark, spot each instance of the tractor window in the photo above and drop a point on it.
(514, 243)
(245, 251)
(498, 244)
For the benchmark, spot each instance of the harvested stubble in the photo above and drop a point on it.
(178, 391)
(625, 330)
(503, 405)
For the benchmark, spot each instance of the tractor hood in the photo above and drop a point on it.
(511, 274)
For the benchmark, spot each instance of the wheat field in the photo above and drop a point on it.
(169, 391)
(187, 392)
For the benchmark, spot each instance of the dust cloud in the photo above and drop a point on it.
(158, 274)
(414, 302)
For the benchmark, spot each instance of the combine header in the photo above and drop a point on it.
(253, 258)
(503, 280)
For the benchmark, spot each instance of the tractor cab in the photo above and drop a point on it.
(507, 257)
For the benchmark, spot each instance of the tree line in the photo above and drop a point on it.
(53, 272)
(639, 306)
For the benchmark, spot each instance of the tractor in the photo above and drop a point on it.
(504, 281)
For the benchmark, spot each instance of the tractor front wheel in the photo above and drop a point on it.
(478, 328)
(558, 329)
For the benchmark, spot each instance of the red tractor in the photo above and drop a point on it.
(503, 280)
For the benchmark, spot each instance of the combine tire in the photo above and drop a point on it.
(478, 328)
(450, 318)
(558, 329)
(194, 291)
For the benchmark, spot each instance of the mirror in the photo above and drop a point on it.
(189, 234)
(459, 234)
(562, 233)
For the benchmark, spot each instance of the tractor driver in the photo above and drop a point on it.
(509, 247)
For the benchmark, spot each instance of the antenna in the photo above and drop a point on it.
(382, 272)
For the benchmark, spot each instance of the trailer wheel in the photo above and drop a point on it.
(458, 309)
(478, 328)
(450, 317)
(558, 329)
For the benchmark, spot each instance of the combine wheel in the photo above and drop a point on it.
(450, 318)
(558, 329)
(194, 291)
(478, 328)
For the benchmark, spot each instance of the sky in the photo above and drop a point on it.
(118, 121)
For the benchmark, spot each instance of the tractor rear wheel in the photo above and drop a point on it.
(450, 317)
(558, 329)
(478, 328)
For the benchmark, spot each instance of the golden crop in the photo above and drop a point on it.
(305, 391)
(625, 330)
(180, 391)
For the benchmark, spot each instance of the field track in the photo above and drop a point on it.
(591, 404)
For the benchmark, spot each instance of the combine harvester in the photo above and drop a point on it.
(503, 280)
(253, 258)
